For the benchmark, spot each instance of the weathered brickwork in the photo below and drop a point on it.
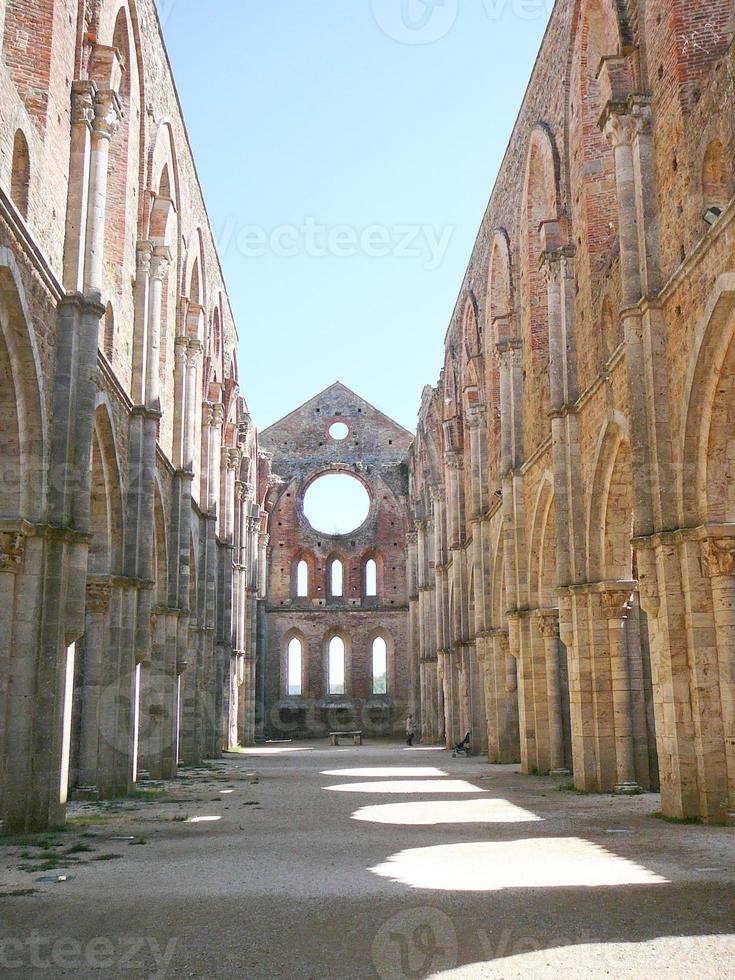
(130, 519)
(571, 478)
(374, 452)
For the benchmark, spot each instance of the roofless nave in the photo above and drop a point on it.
(549, 563)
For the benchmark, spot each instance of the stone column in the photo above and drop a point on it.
(160, 261)
(75, 248)
(616, 605)
(215, 462)
(181, 358)
(141, 297)
(509, 353)
(194, 353)
(12, 545)
(547, 622)
(96, 649)
(505, 737)
(415, 705)
(107, 116)
(719, 563)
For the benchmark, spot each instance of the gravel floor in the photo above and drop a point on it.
(377, 861)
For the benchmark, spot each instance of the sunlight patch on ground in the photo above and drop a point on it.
(425, 748)
(409, 786)
(550, 862)
(380, 771)
(203, 819)
(704, 957)
(274, 750)
(430, 812)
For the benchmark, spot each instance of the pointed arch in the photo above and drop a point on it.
(542, 563)
(337, 662)
(381, 647)
(160, 543)
(106, 504)
(336, 576)
(540, 231)
(716, 177)
(20, 176)
(295, 667)
(594, 209)
(707, 485)
(22, 401)
(500, 288)
(610, 506)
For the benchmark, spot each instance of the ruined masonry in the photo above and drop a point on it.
(549, 564)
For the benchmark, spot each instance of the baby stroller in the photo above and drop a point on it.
(463, 747)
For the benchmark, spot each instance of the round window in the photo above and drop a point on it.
(336, 503)
(339, 431)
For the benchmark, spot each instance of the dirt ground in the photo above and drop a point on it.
(304, 861)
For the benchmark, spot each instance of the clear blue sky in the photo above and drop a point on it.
(347, 150)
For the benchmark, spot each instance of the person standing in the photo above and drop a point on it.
(409, 730)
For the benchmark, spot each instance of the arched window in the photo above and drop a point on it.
(302, 579)
(295, 657)
(380, 666)
(20, 180)
(715, 177)
(108, 337)
(371, 577)
(337, 665)
(336, 578)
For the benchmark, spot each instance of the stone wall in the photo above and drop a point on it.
(130, 518)
(374, 452)
(572, 460)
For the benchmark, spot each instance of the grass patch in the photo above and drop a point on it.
(42, 841)
(571, 788)
(685, 821)
(146, 794)
(80, 823)
(20, 893)
(78, 849)
(107, 857)
(51, 864)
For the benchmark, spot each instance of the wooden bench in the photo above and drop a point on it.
(356, 737)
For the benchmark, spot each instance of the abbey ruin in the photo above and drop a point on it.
(549, 564)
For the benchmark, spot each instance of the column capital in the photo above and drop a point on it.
(218, 414)
(475, 415)
(194, 351)
(438, 493)
(143, 258)
(454, 459)
(616, 603)
(107, 114)
(547, 622)
(412, 538)
(181, 350)
(98, 596)
(12, 546)
(557, 264)
(160, 260)
(82, 102)
(623, 122)
(509, 351)
(718, 557)
(207, 414)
